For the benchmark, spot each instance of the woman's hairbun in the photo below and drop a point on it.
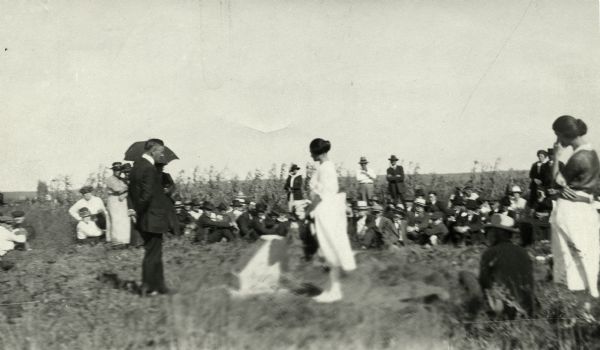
(581, 127)
(319, 146)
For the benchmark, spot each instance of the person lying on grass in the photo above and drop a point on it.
(7, 237)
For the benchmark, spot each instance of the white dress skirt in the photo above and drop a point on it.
(330, 223)
(575, 244)
(119, 231)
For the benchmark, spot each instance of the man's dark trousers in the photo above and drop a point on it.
(153, 278)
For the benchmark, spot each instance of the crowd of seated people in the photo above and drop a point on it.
(429, 221)
(207, 223)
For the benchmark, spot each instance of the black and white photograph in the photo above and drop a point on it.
(299, 174)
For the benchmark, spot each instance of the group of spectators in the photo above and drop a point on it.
(429, 221)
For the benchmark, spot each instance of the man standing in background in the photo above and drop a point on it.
(152, 207)
(366, 179)
(395, 178)
(293, 187)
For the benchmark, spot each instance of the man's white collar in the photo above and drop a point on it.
(148, 158)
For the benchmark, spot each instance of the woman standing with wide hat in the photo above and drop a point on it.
(575, 222)
(328, 209)
(120, 229)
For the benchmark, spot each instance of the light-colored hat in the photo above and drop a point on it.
(377, 208)
(516, 189)
(503, 222)
(420, 202)
(361, 205)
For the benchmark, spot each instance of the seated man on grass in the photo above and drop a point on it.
(506, 271)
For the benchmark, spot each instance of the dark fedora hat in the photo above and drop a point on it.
(222, 206)
(126, 167)
(363, 160)
(208, 206)
(550, 151)
(393, 158)
(116, 166)
(86, 189)
(294, 167)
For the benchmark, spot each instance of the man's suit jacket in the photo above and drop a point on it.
(294, 188)
(395, 178)
(389, 233)
(151, 204)
(205, 226)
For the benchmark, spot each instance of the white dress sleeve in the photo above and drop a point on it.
(74, 210)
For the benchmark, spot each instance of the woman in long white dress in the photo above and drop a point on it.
(575, 221)
(120, 229)
(328, 209)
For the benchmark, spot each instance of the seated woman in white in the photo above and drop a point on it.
(87, 228)
(95, 206)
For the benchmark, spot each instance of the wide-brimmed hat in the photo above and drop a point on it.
(294, 167)
(261, 208)
(420, 202)
(363, 160)
(376, 207)
(116, 166)
(126, 168)
(208, 206)
(86, 189)
(361, 205)
(178, 204)
(84, 212)
(471, 204)
(503, 222)
(516, 189)
(188, 203)
(222, 206)
(393, 158)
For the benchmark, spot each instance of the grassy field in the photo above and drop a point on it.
(53, 299)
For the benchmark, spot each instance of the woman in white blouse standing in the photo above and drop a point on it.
(328, 209)
(95, 206)
(120, 223)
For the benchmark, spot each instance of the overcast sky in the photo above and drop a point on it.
(244, 84)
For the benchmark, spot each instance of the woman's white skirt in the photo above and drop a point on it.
(119, 231)
(576, 245)
(331, 230)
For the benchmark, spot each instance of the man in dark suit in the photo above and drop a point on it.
(152, 208)
(395, 178)
(293, 187)
(536, 176)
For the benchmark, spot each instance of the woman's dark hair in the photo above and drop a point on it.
(319, 146)
(569, 126)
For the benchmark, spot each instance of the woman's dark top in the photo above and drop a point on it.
(582, 171)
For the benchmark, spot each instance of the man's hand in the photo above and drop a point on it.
(537, 181)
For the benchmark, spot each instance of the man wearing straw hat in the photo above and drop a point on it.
(395, 178)
(366, 179)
